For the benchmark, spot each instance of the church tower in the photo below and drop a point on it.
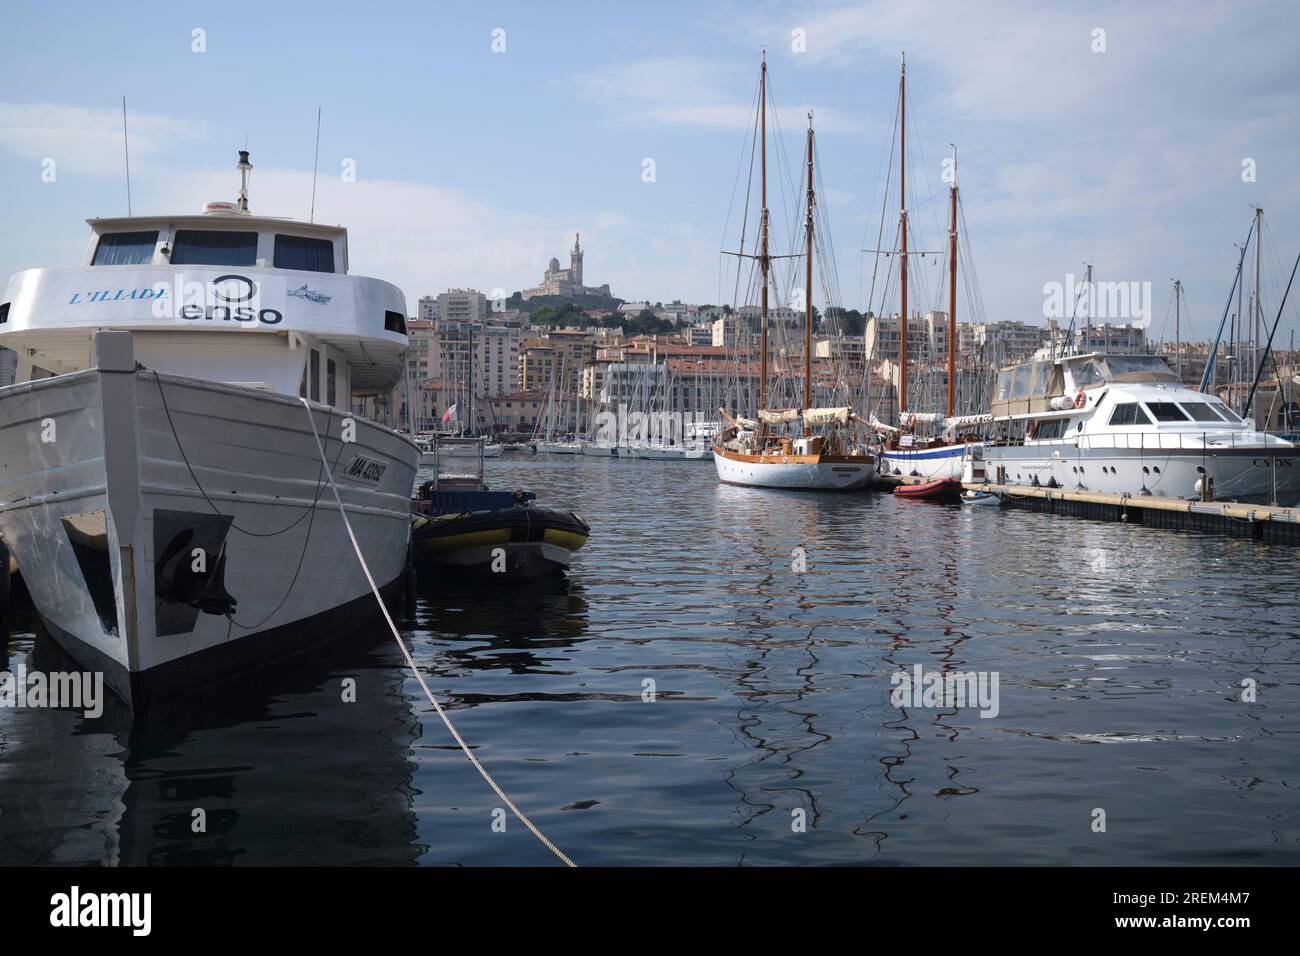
(575, 261)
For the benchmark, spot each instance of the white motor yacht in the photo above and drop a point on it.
(1124, 424)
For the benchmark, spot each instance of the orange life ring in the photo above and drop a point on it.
(1080, 400)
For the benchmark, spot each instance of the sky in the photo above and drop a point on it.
(483, 136)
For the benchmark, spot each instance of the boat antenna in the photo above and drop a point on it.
(126, 149)
(244, 167)
(314, 166)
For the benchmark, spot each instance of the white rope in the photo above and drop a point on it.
(411, 661)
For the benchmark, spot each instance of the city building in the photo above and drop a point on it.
(461, 305)
(927, 337)
(427, 308)
(517, 412)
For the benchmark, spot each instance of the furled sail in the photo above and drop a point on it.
(826, 416)
(780, 416)
(911, 419)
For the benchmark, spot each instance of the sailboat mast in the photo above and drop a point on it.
(807, 287)
(763, 262)
(902, 228)
(952, 287)
(1257, 327)
(1178, 331)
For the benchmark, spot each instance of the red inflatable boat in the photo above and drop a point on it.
(945, 488)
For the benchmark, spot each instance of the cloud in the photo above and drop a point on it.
(694, 92)
(89, 141)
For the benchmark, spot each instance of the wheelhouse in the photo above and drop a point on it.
(224, 296)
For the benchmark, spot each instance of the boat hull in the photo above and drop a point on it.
(558, 448)
(653, 453)
(1239, 474)
(517, 541)
(218, 526)
(796, 472)
(945, 489)
(593, 450)
(941, 463)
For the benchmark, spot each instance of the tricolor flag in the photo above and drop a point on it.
(451, 415)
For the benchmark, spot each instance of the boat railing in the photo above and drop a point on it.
(1160, 441)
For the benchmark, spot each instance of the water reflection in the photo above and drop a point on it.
(283, 769)
(692, 686)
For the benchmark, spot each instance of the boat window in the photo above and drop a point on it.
(1129, 413)
(1149, 367)
(1085, 373)
(304, 254)
(125, 248)
(395, 322)
(1021, 380)
(1200, 411)
(1042, 372)
(1004, 385)
(200, 248)
(331, 382)
(4, 313)
(1051, 428)
(314, 384)
(1227, 413)
(1166, 412)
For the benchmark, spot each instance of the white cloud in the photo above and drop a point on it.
(695, 92)
(89, 140)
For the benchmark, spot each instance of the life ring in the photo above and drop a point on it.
(1080, 400)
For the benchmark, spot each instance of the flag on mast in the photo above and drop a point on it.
(451, 414)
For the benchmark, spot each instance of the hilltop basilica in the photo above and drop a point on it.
(566, 282)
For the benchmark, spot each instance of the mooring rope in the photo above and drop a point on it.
(411, 661)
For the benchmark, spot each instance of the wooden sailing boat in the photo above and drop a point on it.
(904, 457)
(756, 451)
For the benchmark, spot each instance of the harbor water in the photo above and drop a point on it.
(712, 686)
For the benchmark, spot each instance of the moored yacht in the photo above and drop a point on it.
(161, 483)
(1124, 424)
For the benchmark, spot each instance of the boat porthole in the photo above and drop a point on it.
(1146, 470)
(1156, 470)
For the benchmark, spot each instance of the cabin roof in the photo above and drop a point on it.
(216, 221)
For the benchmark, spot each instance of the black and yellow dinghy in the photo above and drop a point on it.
(518, 541)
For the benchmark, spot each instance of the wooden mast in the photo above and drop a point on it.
(808, 282)
(763, 261)
(902, 227)
(952, 287)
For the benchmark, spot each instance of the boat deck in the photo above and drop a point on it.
(1268, 523)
